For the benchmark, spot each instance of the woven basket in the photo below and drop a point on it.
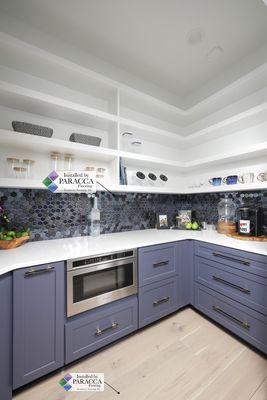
(85, 139)
(32, 129)
(11, 244)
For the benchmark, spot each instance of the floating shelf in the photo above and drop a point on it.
(45, 145)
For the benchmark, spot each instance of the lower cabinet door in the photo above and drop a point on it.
(157, 300)
(250, 325)
(6, 337)
(90, 331)
(38, 322)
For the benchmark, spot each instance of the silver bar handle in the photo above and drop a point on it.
(33, 271)
(231, 258)
(219, 310)
(100, 332)
(161, 263)
(163, 300)
(233, 285)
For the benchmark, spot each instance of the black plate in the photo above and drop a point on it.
(140, 175)
(152, 176)
(163, 178)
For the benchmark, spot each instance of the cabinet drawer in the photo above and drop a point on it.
(243, 260)
(156, 263)
(157, 300)
(244, 322)
(87, 333)
(249, 289)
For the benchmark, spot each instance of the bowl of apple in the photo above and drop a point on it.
(13, 238)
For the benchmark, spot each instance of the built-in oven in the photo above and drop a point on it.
(94, 281)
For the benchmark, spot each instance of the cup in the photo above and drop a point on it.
(230, 180)
(246, 178)
(262, 177)
(215, 181)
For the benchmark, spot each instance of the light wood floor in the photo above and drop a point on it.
(182, 357)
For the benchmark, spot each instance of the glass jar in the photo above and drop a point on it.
(226, 221)
(55, 160)
(68, 158)
(12, 163)
(28, 164)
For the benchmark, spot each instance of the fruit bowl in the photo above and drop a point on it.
(12, 244)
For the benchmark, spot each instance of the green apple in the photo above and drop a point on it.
(195, 226)
(188, 225)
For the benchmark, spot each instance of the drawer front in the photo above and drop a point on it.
(242, 260)
(99, 327)
(244, 322)
(249, 289)
(157, 300)
(156, 263)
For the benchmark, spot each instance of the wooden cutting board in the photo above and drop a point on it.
(254, 238)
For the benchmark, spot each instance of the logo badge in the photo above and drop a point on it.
(71, 181)
(83, 382)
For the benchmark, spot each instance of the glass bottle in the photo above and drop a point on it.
(95, 220)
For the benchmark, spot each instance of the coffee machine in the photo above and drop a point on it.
(251, 221)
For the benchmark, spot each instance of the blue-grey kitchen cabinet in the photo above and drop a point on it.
(185, 265)
(6, 337)
(159, 281)
(90, 331)
(231, 288)
(38, 321)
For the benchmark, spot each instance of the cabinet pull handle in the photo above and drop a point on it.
(242, 289)
(163, 300)
(219, 310)
(99, 332)
(231, 258)
(33, 271)
(161, 263)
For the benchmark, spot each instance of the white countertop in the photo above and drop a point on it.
(46, 251)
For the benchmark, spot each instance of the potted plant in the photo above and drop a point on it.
(11, 237)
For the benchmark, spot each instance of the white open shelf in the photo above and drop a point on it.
(42, 88)
(39, 144)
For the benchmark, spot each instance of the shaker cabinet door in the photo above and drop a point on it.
(38, 322)
(6, 337)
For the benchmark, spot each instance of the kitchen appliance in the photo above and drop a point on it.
(226, 221)
(97, 280)
(250, 221)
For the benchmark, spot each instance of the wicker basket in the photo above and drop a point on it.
(85, 139)
(32, 129)
(11, 244)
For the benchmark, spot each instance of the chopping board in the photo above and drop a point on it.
(253, 238)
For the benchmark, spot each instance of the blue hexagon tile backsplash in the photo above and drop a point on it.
(52, 216)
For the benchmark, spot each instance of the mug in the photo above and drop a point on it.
(215, 181)
(230, 180)
(246, 178)
(262, 177)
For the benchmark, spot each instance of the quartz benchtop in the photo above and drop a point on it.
(46, 251)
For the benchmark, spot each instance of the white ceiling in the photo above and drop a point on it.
(148, 38)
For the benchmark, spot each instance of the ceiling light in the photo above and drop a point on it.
(214, 53)
(265, 2)
(195, 36)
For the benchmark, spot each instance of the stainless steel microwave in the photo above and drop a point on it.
(94, 281)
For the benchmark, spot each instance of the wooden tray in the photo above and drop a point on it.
(11, 244)
(253, 238)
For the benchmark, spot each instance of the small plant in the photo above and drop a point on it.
(7, 233)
